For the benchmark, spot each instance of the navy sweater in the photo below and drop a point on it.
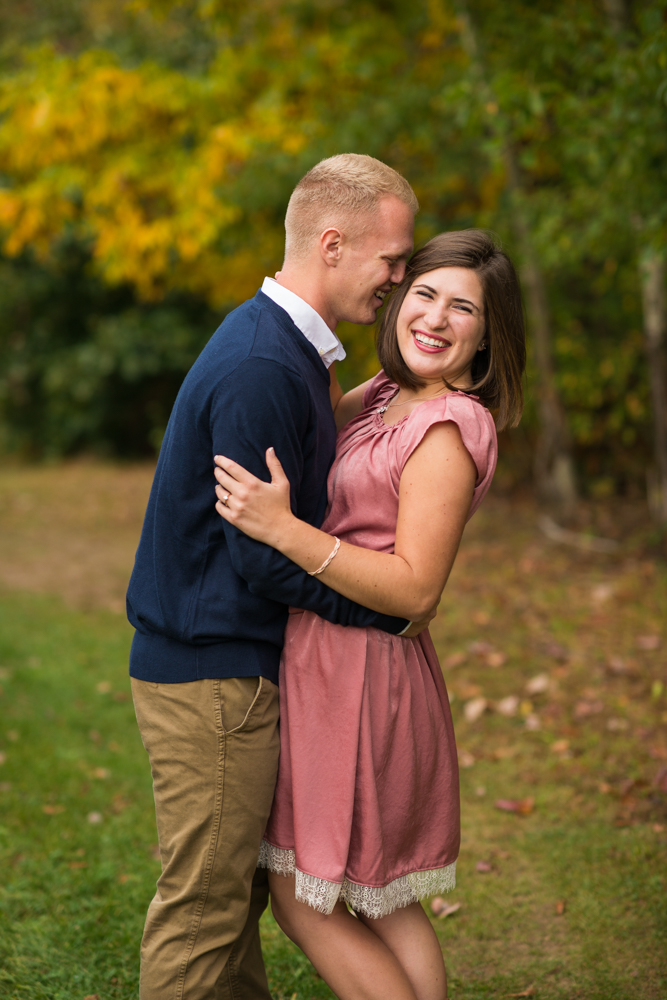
(206, 600)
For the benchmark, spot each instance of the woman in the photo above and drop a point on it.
(366, 810)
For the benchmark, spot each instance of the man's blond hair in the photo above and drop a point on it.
(339, 191)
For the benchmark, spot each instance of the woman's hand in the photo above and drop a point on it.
(258, 509)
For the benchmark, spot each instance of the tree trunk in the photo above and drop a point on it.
(654, 308)
(618, 13)
(652, 274)
(553, 466)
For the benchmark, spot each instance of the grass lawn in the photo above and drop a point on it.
(567, 900)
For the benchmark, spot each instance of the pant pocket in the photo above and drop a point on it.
(238, 697)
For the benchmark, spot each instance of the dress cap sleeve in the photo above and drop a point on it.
(477, 429)
(379, 391)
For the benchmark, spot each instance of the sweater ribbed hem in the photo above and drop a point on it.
(159, 660)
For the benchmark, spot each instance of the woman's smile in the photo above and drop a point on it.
(429, 343)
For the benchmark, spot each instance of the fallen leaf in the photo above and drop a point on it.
(481, 648)
(113, 746)
(617, 725)
(119, 804)
(660, 780)
(12, 735)
(120, 696)
(123, 878)
(481, 618)
(455, 660)
(585, 708)
(466, 690)
(3, 757)
(521, 807)
(528, 992)
(507, 706)
(604, 788)
(155, 852)
(104, 687)
(77, 864)
(474, 709)
(495, 659)
(626, 786)
(617, 665)
(466, 759)
(532, 722)
(5, 786)
(538, 684)
(441, 908)
(92, 996)
(658, 753)
(558, 652)
(658, 828)
(483, 867)
(502, 753)
(560, 907)
(102, 773)
(560, 746)
(53, 810)
(601, 593)
(94, 736)
(648, 642)
(480, 791)
(95, 817)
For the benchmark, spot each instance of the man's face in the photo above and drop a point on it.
(373, 262)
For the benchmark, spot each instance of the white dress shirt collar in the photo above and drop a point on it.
(311, 324)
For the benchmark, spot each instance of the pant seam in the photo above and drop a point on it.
(213, 843)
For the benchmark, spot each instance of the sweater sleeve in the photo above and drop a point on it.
(265, 405)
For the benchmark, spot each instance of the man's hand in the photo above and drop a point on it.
(417, 627)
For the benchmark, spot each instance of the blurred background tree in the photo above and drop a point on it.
(148, 150)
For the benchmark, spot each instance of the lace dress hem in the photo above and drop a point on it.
(373, 901)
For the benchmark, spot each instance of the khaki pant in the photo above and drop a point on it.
(213, 747)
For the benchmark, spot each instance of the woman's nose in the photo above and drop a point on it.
(437, 316)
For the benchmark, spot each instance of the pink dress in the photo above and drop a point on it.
(366, 807)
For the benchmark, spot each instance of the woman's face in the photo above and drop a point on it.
(440, 325)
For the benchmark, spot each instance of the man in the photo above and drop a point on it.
(210, 605)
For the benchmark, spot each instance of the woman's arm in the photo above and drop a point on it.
(345, 405)
(434, 498)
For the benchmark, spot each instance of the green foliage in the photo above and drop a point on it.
(84, 366)
(165, 137)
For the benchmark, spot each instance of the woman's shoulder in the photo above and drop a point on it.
(462, 408)
(378, 390)
(475, 424)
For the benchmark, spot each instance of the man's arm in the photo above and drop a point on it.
(263, 404)
(346, 405)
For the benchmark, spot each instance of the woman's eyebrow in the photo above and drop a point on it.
(427, 287)
(459, 298)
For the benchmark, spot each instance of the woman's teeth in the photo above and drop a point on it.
(380, 294)
(421, 338)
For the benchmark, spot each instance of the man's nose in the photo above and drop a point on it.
(398, 272)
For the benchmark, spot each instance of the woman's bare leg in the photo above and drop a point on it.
(410, 937)
(353, 960)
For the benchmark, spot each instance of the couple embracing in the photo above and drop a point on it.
(305, 594)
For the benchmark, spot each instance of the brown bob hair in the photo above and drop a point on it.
(496, 372)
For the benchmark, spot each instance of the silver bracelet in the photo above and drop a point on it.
(328, 560)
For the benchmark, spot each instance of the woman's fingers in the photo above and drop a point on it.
(225, 480)
(234, 470)
(278, 477)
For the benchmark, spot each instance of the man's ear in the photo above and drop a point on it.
(330, 246)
